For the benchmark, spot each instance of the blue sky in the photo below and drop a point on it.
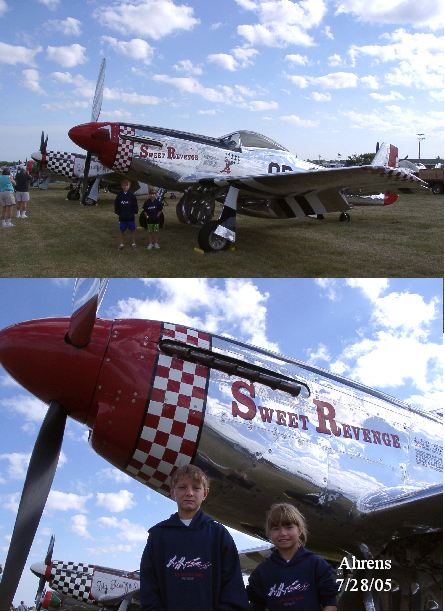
(385, 333)
(321, 77)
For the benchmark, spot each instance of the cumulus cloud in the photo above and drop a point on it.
(79, 523)
(31, 80)
(238, 309)
(68, 57)
(296, 120)
(57, 500)
(11, 54)
(393, 95)
(188, 67)
(241, 57)
(69, 26)
(18, 464)
(114, 474)
(30, 409)
(394, 349)
(136, 49)
(335, 80)
(410, 12)
(147, 18)
(125, 530)
(299, 60)
(116, 502)
(418, 58)
(283, 22)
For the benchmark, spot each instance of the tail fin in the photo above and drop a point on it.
(387, 155)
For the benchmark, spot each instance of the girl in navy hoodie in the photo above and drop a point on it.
(191, 562)
(292, 578)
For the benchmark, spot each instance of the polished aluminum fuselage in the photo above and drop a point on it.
(339, 454)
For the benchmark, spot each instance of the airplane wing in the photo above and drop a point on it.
(403, 506)
(251, 557)
(296, 188)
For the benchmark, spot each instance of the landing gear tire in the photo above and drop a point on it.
(194, 211)
(209, 241)
(344, 217)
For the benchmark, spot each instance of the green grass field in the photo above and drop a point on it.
(62, 238)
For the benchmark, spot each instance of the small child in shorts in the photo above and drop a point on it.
(292, 578)
(126, 206)
(153, 209)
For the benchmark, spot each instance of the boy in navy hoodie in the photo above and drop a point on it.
(292, 578)
(125, 206)
(191, 562)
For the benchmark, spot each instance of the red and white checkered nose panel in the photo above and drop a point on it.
(175, 412)
(124, 152)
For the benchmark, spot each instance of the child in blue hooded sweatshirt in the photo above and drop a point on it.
(191, 562)
(292, 578)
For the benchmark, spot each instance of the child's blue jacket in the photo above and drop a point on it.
(306, 582)
(191, 568)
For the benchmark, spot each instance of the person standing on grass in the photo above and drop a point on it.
(126, 206)
(153, 210)
(22, 179)
(7, 184)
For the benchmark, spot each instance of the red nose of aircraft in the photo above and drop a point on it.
(36, 355)
(100, 139)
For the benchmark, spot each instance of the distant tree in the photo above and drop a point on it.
(363, 159)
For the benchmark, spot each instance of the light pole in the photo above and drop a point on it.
(420, 137)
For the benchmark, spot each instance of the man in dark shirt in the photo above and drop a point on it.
(22, 179)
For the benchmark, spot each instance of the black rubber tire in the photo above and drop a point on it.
(208, 241)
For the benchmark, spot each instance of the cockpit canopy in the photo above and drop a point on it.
(245, 138)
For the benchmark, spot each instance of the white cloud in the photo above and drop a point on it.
(319, 97)
(394, 348)
(371, 287)
(114, 474)
(299, 60)
(11, 54)
(3, 7)
(147, 18)
(31, 409)
(57, 500)
(241, 57)
(410, 12)
(79, 523)
(393, 95)
(67, 56)
(260, 105)
(307, 123)
(419, 58)
(31, 80)
(237, 309)
(116, 502)
(51, 4)
(136, 49)
(69, 26)
(335, 80)
(125, 530)
(188, 67)
(282, 22)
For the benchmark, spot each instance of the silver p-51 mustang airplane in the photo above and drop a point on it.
(364, 468)
(247, 172)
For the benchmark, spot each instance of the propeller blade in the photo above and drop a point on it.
(85, 175)
(39, 478)
(42, 581)
(87, 297)
(99, 93)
